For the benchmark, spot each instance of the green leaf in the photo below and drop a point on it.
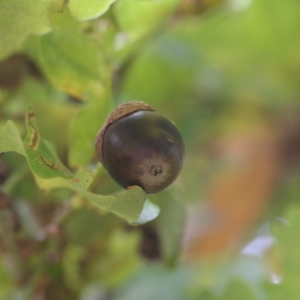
(7, 285)
(170, 222)
(18, 20)
(84, 128)
(156, 281)
(71, 62)
(238, 289)
(89, 9)
(287, 235)
(138, 18)
(45, 163)
(41, 155)
(10, 139)
(127, 205)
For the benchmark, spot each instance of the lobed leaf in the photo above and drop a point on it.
(45, 164)
(127, 205)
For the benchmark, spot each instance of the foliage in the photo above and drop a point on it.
(227, 73)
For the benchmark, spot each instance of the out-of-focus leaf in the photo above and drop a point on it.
(206, 295)
(26, 218)
(140, 17)
(238, 289)
(84, 128)
(287, 234)
(221, 279)
(10, 139)
(93, 291)
(53, 110)
(85, 226)
(71, 265)
(71, 61)
(121, 261)
(18, 20)
(289, 193)
(170, 223)
(89, 9)
(157, 282)
(7, 286)
(238, 35)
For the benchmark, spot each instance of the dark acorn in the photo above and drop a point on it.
(139, 146)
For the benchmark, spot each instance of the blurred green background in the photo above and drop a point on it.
(227, 73)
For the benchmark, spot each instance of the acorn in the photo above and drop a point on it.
(139, 146)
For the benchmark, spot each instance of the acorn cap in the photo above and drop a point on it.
(120, 111)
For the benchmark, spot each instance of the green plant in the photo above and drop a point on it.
(68, 231)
